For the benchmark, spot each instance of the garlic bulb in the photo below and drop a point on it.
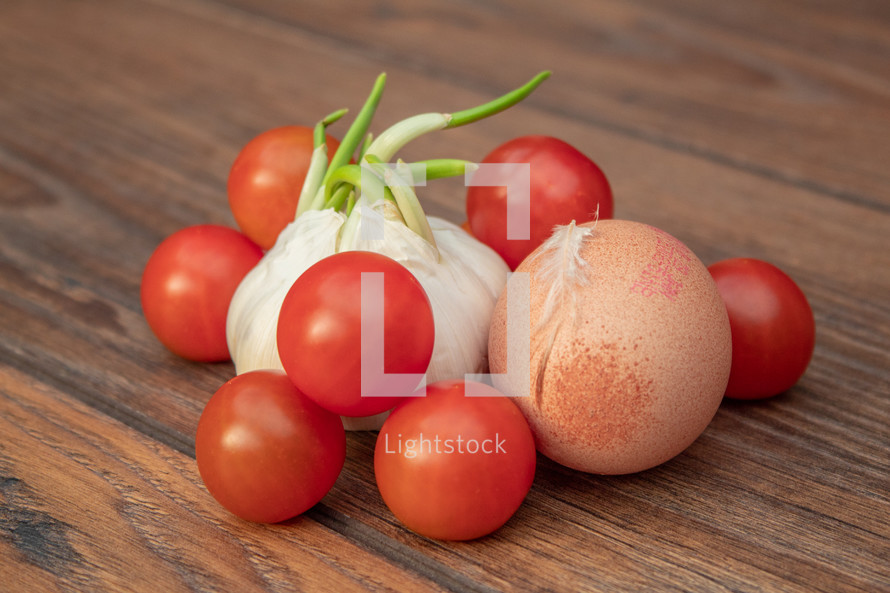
(462, 278)
(252, 320)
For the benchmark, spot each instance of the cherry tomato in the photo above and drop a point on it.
(454, 467)
(265, 451)
(320, 337)
(772, 325)
(187, 286)
(266, 178)
(565, 185)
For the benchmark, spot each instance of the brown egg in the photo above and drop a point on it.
(630, 351)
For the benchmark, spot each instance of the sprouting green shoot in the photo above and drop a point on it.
(358, 129)
(468, 116)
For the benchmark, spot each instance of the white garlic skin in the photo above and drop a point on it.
(252, 321)
(461, 276)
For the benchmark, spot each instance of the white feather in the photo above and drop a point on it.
(562, 268)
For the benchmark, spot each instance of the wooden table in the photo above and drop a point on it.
(755, 128)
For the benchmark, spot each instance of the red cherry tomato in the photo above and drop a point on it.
(772, 325)
(454, 467)
(565, 185)
(320, 338)
(266, 178)
(265, 451)
(188, 284)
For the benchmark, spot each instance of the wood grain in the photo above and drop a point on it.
(85, 498)
(755, 131)
(706, 78)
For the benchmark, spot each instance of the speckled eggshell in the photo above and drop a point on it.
(639, 362)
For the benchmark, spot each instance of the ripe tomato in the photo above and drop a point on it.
(454, 467)
(265, 451)
(266, 178)
(320, 337)
(565, 185)
(187, 286)
(772, 325)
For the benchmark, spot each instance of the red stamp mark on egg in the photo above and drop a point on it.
(665, 272)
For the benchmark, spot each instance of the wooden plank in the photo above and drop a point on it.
(714, 79)
(120, 122)
(742, 509)
(87, 218)
(85, 500)
(90, 504)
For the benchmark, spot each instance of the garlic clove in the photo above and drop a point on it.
(252, 322)
(462, 277)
